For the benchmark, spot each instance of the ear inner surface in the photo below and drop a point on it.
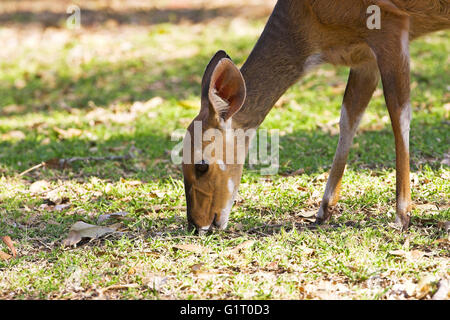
(227, 89)
(209, 70)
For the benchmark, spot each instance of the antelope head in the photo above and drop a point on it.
(211, 179)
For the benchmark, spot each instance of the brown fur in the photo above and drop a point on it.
(300, 33)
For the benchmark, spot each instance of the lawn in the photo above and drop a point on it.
(86, 129)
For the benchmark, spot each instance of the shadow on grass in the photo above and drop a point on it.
(312, 151)
(130, 16)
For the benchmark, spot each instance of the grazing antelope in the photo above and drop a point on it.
(299, 35)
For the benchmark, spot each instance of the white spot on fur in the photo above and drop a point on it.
(347, 132)
(222, 165)
(206, 228)
(405, 120)
(402, 205)
(230, 186)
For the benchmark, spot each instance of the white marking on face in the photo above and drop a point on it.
(225, 213)
(222, 165)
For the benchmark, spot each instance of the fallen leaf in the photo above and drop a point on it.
(242, 246)
(272, 266)
(155, 282)
(442, 241)
(118, 286)
(400, 253)
(54, 197)
(424, 287)
(192, 248)
(443, 290)
(416, 254)
(307, 251)
(196, 268)
(61, 207)
(4, 256)
(294, 173)
(13, 135)
(69, 133)
(85, 230)
(116, 215)
(39, 186)
(426, 207)
(307, 214)
(7, 240)
(156, 194)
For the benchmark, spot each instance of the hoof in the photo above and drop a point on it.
(403, 221)
(323, 216)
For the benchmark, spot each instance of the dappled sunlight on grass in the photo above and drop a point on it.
(110, 95)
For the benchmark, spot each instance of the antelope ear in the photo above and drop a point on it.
(226, 91)
(210, 69)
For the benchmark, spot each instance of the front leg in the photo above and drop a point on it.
(362, 82)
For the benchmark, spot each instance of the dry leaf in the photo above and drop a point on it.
(116, 215)
(196, 268)
(294, 173)
(242, 246)
(39, 186)
(69, 133)
(13, 135)
(426, 207)
(118, 286)
(61, 207)
(424, 287)
(4, 256)
(443, 290)
(7, 240)
(401, 253)
(85, 230)
(156, 194)
(272, 266)
(192, 248)
(410, 255)
(307, 251)
(307, 214)
(155, 282)
(416, 254)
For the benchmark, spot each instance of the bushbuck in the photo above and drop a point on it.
(300, 35)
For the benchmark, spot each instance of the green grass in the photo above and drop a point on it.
(93, 81)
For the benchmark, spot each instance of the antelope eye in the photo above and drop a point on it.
(202, 166)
